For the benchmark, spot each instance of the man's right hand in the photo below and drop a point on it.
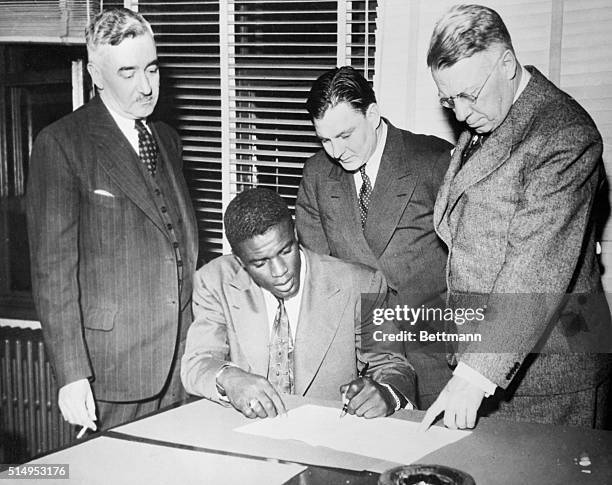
(251, 394)
(77, 404)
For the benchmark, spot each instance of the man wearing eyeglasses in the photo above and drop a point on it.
(516, 211)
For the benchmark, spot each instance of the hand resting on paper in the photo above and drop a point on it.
(251, 394)
(367, 398)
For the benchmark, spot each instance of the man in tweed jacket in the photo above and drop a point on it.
(516, 211)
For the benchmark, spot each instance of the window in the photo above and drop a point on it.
(35, 90)
(236, 73)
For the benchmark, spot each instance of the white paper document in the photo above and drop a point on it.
(383, 438)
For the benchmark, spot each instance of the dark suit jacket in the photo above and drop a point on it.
(103, 267)
(334, 332)
(518, 222)
(399, 238)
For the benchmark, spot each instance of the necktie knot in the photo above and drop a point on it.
(364, 195)
(475, 143)
(147, 147)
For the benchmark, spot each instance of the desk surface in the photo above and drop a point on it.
(497, 452)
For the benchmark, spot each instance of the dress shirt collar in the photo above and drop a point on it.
(525, 77)
(292, 305)
(373, 163)
(126, 125)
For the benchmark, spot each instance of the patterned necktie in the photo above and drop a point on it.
(280, 367)
(364, 195)
(147, 147)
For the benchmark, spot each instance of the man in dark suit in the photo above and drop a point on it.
(368, 197)
(516, 211)
(113, 236)
(275, 318)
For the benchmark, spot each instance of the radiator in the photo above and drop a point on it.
(30, 420)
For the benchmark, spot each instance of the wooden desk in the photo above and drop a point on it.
(496, 453)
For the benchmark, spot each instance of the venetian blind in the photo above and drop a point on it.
(188, 45)
(235, 75)
(276, 50)
(45, 20)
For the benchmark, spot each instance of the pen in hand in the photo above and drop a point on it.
(345, 402)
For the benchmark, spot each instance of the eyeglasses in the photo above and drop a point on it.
(470, 99)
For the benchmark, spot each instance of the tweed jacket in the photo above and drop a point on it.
(104, 268)
(518, 221)
(334, 331)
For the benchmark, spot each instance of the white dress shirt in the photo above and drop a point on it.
(126, 125)
(292, 305)
(373, 164)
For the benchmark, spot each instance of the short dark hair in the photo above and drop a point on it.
(340, 85)
(465, 30)
(113, 26)
(252, 212)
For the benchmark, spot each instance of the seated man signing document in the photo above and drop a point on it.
(274, 318)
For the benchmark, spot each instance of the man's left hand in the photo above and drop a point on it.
(459, 401)
(368, 399)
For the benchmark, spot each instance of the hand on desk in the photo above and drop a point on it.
(77, 405)
(367, 398)
(459, 401)
(251, 394)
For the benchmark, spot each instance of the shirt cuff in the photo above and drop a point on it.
(220, 391)
(475, 378)
(398, 397)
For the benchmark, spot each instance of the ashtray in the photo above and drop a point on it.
(425, 475)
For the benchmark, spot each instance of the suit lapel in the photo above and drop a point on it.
(441, 205)
(395, 183)
(248, 310)
(343, 194)
(323, 304)
(340, 188)
(494, 153)
(484, 161)
(120, 161)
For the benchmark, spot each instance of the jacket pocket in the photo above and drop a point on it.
(100, 318)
